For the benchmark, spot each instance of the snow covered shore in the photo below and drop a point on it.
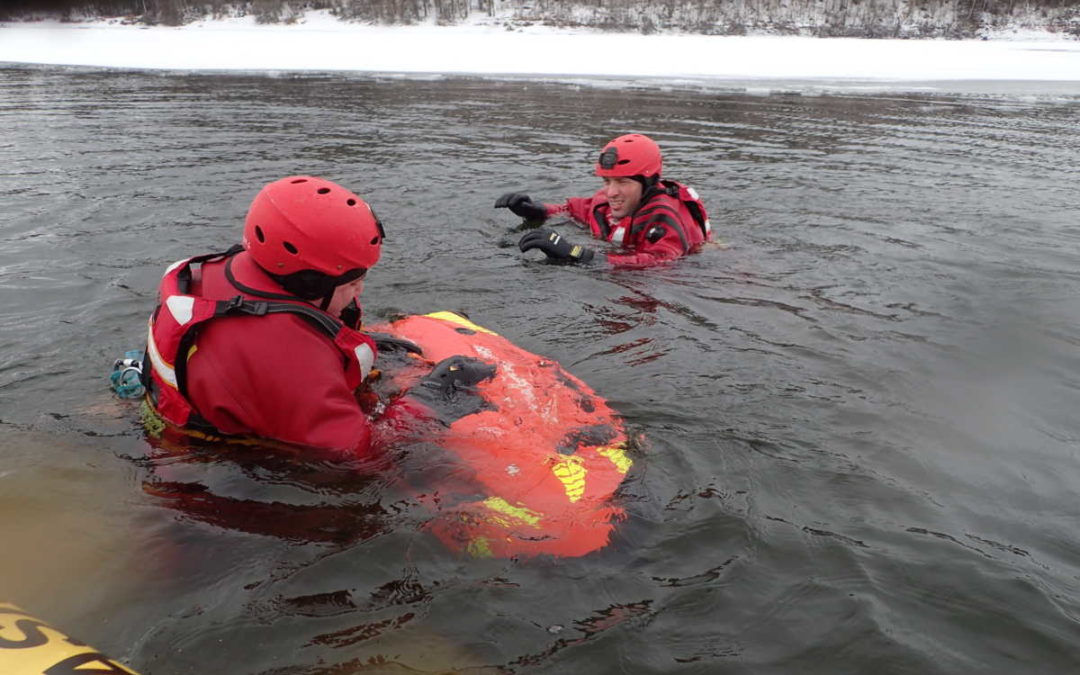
(321, 43)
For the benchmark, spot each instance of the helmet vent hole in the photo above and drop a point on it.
(623, 161)
(350, 202)
(375, 240)
(323, 190)
(289, 247)
(299, 180)
(259, 235)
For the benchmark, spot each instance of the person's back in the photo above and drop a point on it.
(274, 376)
(265, 341)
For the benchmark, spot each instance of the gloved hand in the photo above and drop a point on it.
(522, 205)
(448, 389)
(555, 246)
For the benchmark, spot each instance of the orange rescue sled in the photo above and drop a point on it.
(546, 454)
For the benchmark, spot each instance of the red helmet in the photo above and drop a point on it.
(630, 155)
(305, 223)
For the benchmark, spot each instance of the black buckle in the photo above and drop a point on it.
(237, 305)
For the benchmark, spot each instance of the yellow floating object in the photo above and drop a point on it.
(29, 646)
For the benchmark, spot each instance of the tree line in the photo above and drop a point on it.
(855, 18)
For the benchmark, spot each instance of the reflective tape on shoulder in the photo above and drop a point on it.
(366, 358)
(173, 266)
(181, 307)
(157, 362)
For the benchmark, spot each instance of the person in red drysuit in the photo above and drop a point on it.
(263, 340)
(651, 219)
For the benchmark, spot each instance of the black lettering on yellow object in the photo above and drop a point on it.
(70, 666)
(32, 635)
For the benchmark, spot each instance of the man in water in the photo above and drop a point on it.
(652, 220)
(264, 339)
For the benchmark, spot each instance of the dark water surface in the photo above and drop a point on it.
(861, 449)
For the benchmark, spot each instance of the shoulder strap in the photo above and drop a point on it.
(601, 220)
(660, 213)
(183, 277)
(239, 306)
(692, 205)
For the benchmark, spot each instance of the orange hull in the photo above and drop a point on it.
(545, 461)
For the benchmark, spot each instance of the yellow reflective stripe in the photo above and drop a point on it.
(460, 320)
(572, 474)
(479, 548)
(519, 513)
(161, 366)
(617, 455)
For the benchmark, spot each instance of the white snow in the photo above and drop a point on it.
(319, 42)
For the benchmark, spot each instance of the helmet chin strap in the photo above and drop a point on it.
(350, 316)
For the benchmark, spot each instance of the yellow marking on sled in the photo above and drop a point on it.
(518, 513)
(461, 321)
(617, 455)
(571, 472)
(479, 548)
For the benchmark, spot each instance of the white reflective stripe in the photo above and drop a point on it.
(173, 266)
(618, 235)
(180, 306)
(708, 227)
(365, 357)
(692, 192)
(163, 369)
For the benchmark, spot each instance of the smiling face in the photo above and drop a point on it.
(623, 194)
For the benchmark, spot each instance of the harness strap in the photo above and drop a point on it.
(239, 306)
(601, 220)
(664, 213)
(693, 207)
(183, 279)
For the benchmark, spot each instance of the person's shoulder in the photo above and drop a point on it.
(271, 336)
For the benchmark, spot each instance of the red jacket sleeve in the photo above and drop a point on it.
(579, 209)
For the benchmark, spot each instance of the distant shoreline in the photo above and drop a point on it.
(321, 43)
(871, 19)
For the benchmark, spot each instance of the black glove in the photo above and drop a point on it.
(555, 246)
(522, 205)
(448, 389)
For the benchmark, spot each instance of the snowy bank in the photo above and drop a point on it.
(321, 43)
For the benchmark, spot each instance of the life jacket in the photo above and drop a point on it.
(630, 229)
(176, 321)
